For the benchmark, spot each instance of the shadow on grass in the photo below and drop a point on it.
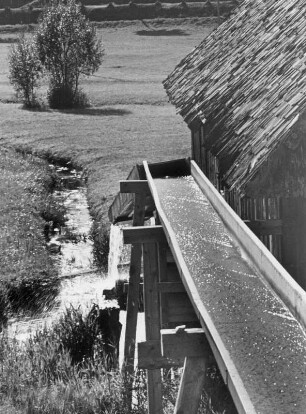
(97, 111)
(162, 32)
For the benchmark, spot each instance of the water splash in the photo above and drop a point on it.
(118, 259)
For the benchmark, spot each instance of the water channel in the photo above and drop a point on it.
(82, 280)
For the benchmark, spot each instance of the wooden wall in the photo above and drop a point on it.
(203, 157)
(293, 211)
(279, 222)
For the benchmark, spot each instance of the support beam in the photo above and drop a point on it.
(193, 345)
(133, 292)
(191, 386)
(152, 321)
(135, 186)
(143, 234)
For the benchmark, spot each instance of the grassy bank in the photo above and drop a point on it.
(27, 271)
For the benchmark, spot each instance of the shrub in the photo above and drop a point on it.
(68, 48)
(25, 70)
(100, 236)
(63, 96)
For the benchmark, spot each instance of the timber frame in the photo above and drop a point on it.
(168, 312)
(179, 329)
(174, 337)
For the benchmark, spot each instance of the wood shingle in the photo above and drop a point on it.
(247, 83)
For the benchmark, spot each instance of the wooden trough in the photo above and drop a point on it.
(182, 326)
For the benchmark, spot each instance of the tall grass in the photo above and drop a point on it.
(28, 277)
(48, 374)
(63, 370)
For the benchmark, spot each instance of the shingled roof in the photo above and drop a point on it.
(247, 83)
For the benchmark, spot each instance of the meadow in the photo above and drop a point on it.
(129, 120)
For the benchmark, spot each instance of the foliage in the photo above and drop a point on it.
(100, 237)
(41, 377)
(68, 48)
(28, 278)
(25, 70)
(79, 334)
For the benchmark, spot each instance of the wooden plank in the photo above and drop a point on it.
(173, 274)
(173, 168)
(180, 310)
(143, 234)
(152, 323)
(191, 386)
(150, 357)
(265, 227)
(170, 258)
(182, 342)
(133, 292)
(123, 203)
(171, 287)
(134, 186)
(163, 279)
(162, 287)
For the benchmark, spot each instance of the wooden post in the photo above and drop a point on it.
(162, 263)
(152, 321)
(133, 292)
(191, 386)
(193, 345)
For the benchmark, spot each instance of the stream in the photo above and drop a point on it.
(82, 281)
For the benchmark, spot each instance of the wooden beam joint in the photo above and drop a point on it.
(150, 357)
(181, 342)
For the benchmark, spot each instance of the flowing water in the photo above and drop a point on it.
(82, 281)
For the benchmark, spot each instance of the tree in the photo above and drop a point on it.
(25, 70)
(68, 48)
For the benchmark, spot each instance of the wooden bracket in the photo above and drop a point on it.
(135, 186)
(150, 357)
(144, 234)
(182, 342)
(174, 347)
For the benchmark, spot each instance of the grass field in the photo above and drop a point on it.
(130, 119)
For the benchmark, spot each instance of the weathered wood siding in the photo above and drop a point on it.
(206, 161)
(294, 238)
(278, 221)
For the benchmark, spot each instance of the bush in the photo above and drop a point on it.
(25, 70)
(68, 49)
(60, 97)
